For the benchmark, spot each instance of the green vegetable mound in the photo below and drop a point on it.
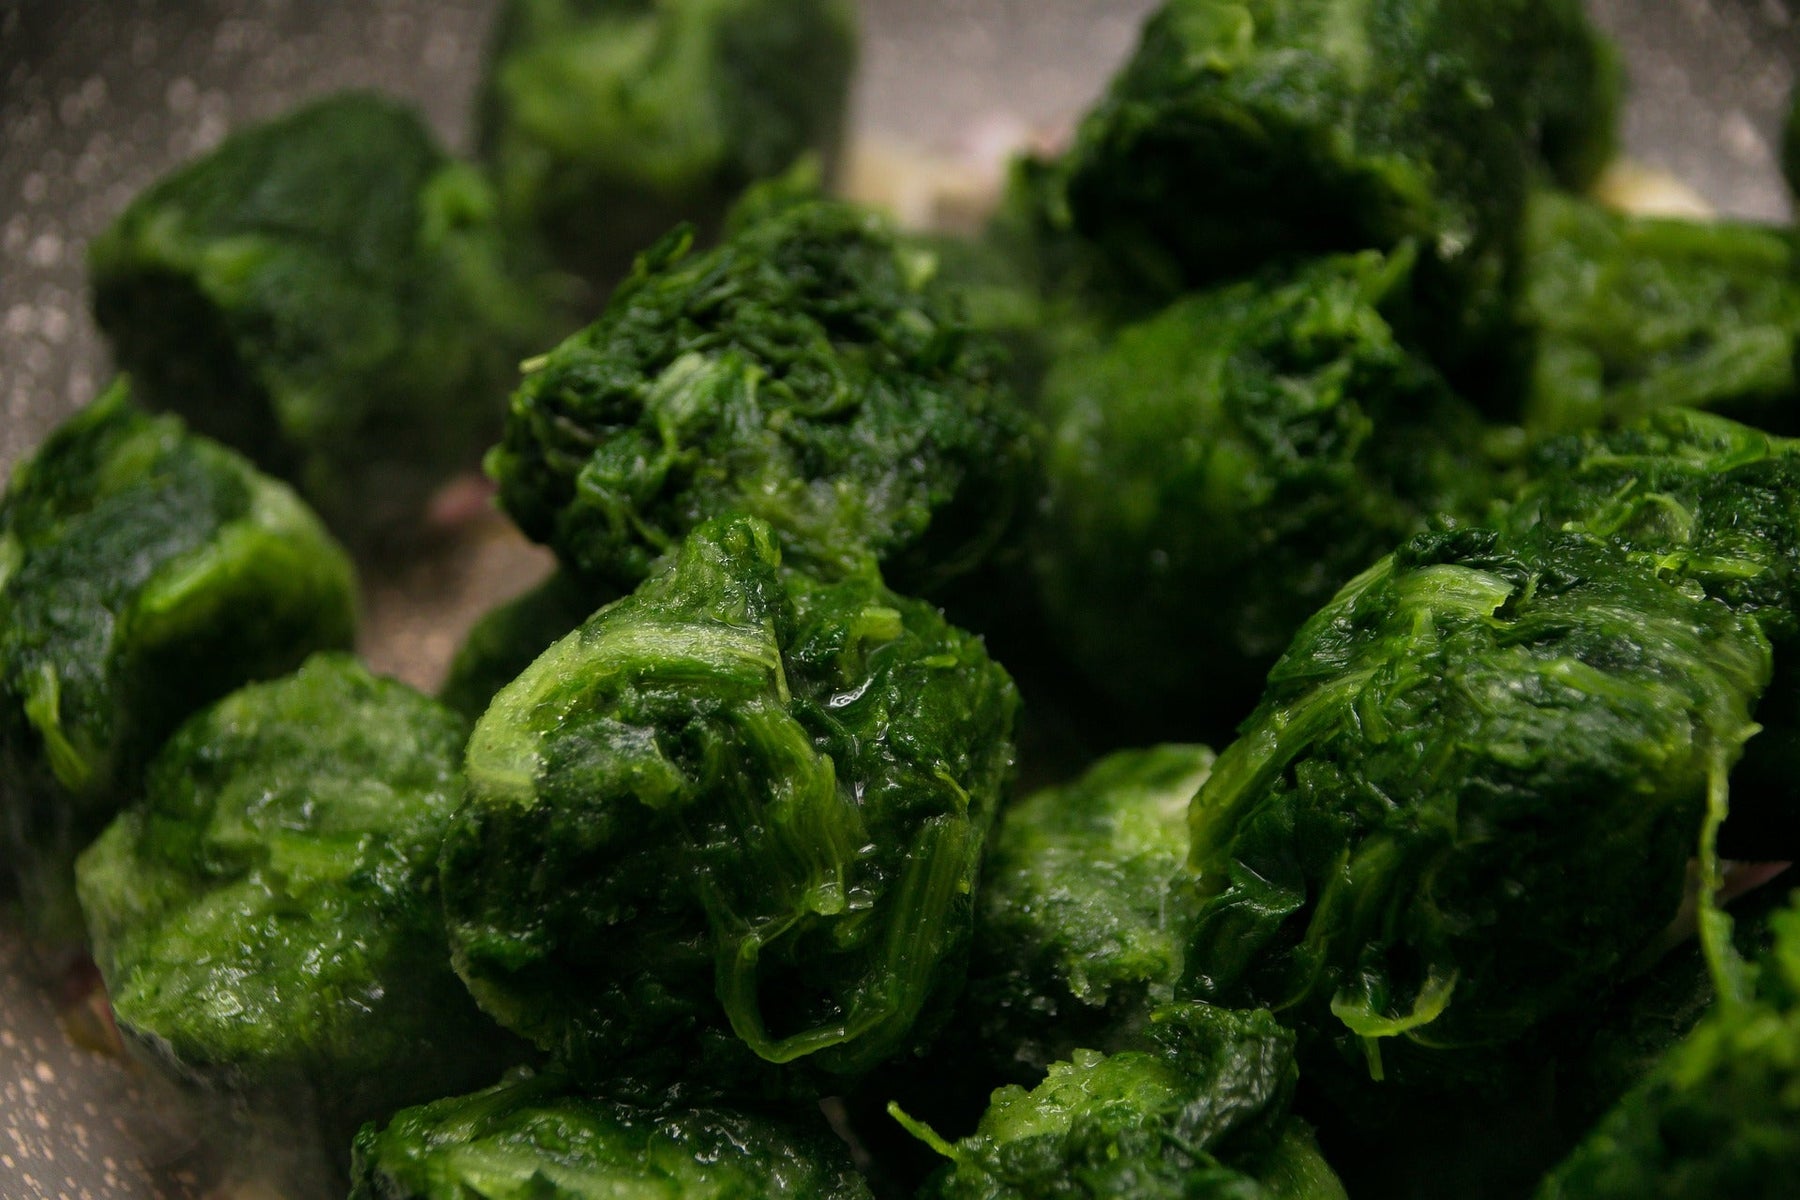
(1217, 472)
(1715, 503)
(605, 122)
(331, 294)
(1078, 933)
(738, 806)
(1242, 133)
(536, 1138)
(1720, 1115)
(268, 918)
(144, 572)
(1245, 132)
(1696, 496)
(808, 372)
(1634, 314)
(1467, 802)
(1200, 1112)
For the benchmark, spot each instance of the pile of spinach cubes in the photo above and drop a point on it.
(841, 819)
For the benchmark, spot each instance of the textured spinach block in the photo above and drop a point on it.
(1701, 497)
(1467, 802)
(739, 810)
(537, 1137)
(331, 294)
(1242, 132)
(1720, 1115)
(1216, 472)
(267, 919)
(1632, 314)
(505, 641)
(606, 122)
(144, 572)
(809, 372)
(1717, 504)
(1078, 933)
(1197, 1111)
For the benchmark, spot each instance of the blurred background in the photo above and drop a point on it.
(99, 98)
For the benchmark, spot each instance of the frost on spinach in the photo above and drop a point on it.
(267, 918)
(330, 293)
(538, 1137)
(606, 122)
(737, 815)
(144, 572)
(1468, 800)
